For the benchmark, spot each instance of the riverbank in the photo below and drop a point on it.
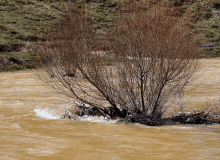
(15, 61)
(23, 21)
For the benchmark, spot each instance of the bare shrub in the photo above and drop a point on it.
(68, 47)
(159, 57)
(154, 57)
(68, 42)
(63, 6)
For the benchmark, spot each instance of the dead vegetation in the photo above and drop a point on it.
(154, 56)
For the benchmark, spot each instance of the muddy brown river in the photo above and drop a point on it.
(30, 127)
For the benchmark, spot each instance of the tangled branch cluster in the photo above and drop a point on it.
(141, 66)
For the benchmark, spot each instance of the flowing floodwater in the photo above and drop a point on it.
(30, 127)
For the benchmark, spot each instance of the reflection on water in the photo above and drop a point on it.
(30, 128)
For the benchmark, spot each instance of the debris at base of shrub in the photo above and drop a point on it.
(141, 118)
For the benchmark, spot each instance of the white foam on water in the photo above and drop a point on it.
(99, 119)
(46, 113)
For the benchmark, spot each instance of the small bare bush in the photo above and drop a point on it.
(63, 6)
(154, 56)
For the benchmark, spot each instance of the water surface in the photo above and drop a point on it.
(30, 127)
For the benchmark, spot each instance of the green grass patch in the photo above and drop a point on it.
(23, 18)
(25, 60)
(21, 56)
(210, 52)
(26, 18)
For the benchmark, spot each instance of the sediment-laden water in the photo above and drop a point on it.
(30, 127)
